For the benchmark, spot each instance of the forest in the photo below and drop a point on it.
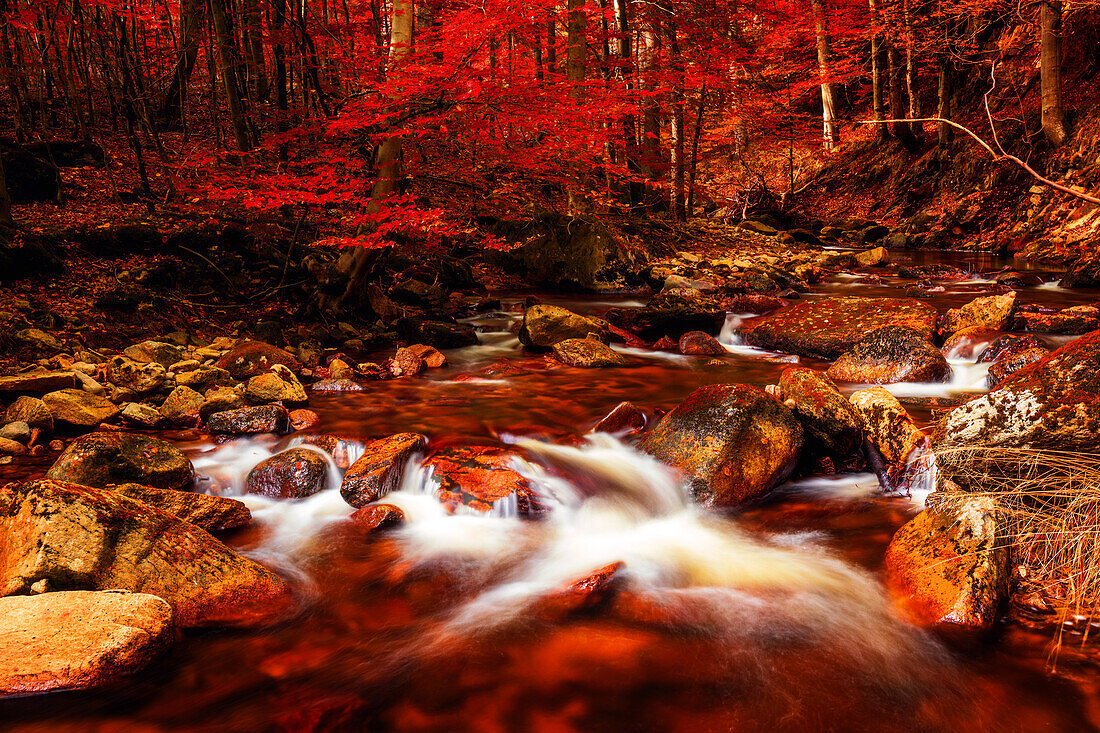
(572, 365)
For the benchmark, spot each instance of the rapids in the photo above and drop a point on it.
(773, 618)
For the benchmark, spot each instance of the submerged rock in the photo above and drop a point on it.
(826, 328)
(992, 311)
(948, 567)
(212, 513)
(1053, 404)
(889, 355)
(293, 474)
(76, 640)
(546, 325)
(101, 459)
(480, 477)
(587, 353)
(378, 517)
(378, 471)
(83, 538)
(733, 441)
(828, 417)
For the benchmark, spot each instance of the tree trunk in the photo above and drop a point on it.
(912, 82)
(1050, 65)
(575, 75)
(191, 21)
(830, 136)
(676, 128)
(649, 158)
(902, 130)
(945, 133)
(5, 200)
(551, 44)
(254, 50)
(694, 164)
(630, 132)
(878, 74)
(228, 67)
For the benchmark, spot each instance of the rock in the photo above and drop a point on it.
(378, 471)
(91, 386)
(18, 431)
(440, 334)
(203, 378)
(826, 328)
(155, 352)
(1054, 404)
(378, 517)
(1011, 362)
(625, 419)
(253, 358)
(827, 416)
(1009, 343)
(734, 442)
(872, 257)
(277, 385)
(948, 567)
(587, 353)
(670, 315)
(182, 405)
(212, 513)
(405, 363)
(546, 325)
(38, 382)
(889, 355)
(141, 415)
(336, 385)
(75, 640)
(101, 459)
(220, 399)
(697, 343)
(1083, 274)
(993, 311)
(758, 227)
(665, 344)
(1063, 324)
(583, 594)
(433, 358)
(752, 303)
(76, 408)
(9, 447)
(304, 419)
(250, 420)
(83, 538)
(32, 411)
(479, 478)
(933, 272)
(293, 474)
(39, 340)
(889, 430)
(969, 343)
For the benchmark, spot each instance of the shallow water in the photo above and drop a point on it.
(772, 618)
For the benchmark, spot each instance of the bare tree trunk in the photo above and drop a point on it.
(912, 81)
(676, 128)
(630, 124)
(650, 160)
(1050, 69)
(191, 21)
(901, 128)
(575, 75)
(945, 133)
(830, 136)
(254, 50)
(694, 164)
(228, 68)
(551, 44)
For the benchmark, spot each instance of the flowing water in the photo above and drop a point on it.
(772, 618)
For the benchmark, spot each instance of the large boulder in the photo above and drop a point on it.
(1083, 274)
(669, 314)
(1053, 404)
(482, 479)
(948, 567)
(1061, 323)
(32, 411)
(828, 417)
(546, 325)
(250, 358)
(72, 537)
(587, 353)
(826, 328)
(378, 471)
(250, 420)
(212, 513)
(293, 474)
(158, 352)
(138, 377)
(101, 459)
(889, 355)
(76, 640)
(277, 385)
(79, 409)
(733, 441)
(991, 311)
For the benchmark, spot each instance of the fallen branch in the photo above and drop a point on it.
(997, 156)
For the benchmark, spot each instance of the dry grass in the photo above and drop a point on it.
(1050, 502)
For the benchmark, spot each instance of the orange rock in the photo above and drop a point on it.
(405, 363)
(212, 513)
(304, 419)
(378, 470)
(478, 477)
(378, 516)
(433, 357)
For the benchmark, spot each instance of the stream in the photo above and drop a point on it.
(770, 618)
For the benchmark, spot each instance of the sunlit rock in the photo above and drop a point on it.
(889, 355)
(100, 459)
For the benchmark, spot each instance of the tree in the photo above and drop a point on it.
(5, 199)
(830, 137)
(1050, 70)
